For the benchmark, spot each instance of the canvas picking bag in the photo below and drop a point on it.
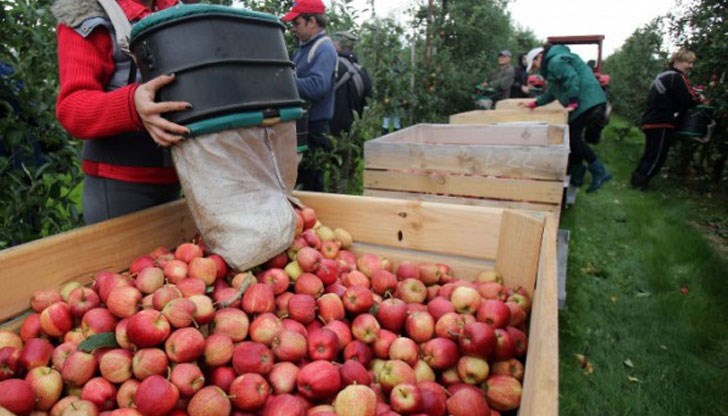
(238, 186)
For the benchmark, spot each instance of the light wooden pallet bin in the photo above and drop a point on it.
(515, 165)
(469, 239)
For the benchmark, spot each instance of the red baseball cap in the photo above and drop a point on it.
(305, 7)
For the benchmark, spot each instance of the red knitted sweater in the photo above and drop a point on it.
(88, 112)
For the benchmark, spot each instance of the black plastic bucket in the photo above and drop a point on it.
(696, 121)
(226, 60)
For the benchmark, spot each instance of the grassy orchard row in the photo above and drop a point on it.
(316, 330)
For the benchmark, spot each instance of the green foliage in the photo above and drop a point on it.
(632, 69)
(39, 167)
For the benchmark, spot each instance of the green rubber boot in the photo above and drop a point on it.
(599, 174)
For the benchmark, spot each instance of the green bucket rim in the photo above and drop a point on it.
(188, 10)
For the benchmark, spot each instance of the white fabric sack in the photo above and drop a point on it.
(238, 184)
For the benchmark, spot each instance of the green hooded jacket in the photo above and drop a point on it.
(570, 80)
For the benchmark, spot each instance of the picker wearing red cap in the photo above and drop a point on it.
(315, 62)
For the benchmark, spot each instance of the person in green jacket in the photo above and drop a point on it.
(572, 83)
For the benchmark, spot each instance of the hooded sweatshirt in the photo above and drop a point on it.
(570, 81)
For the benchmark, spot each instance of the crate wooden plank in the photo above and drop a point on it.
(541, 378)
(509, 116)
(79, 254)
(519, 248)
(462, 200)
(513, 134)
(464, 185)
(515, 104)
(411, 224)
(511, 161)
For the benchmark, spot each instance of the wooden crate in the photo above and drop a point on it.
(514, 104)
(504, 165)
(469, 239)
(510, 116)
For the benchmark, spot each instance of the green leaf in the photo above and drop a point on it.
(96, 341)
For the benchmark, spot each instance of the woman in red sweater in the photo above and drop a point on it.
(102, 102)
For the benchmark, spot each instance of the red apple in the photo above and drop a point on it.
(47, 384)
(188, 378)
(503, 392)
(123, 302)
(209, 401)
(288, 345)
(318, 380)
(411, 291)
(429, 273)
(494, 313)
(148, 362)
(420, 326)
(259, 298)
(17, 396)
(342, 331)
(309, 217)
(365, 328)
(79, 368)
(330, 249)
(252, 357)
(477, 339)
(179, 312)
(43, 298)
(440, 353)
(302, 308)
(30, 328)
(358, 299)
(491, 290)
(283, 377)
(37, 352)
(518, 315)
(510, 367)
(126, 392)
(330, 307)
(191, 286)
(147, 328)
(231, 322)
(184, 345)
(278, 261)
(10, 339)
(472, 370)
(188, 251)
(465, 300)
(164, 294)
(204, 309)
(149, 280)
(176, 270)
(391, 314)
(467, 402)
(56, 319)
(98, 321)
(249, 392)
(434, 398)
(116, 365)
(218, 350)
(277, 278)
(81, 300)
(328, 271)
(9, 357)
(203, 268)
(359, 351)
(383, 343)
(312, 239)
(383, 282)
(395, 372)
(222, 377)
(439, 306)
(406, 398)
(323, 345)
(309, 284)
(520, 341)
(356, 278)
(505, 347)
(353, 372)
(309, 259)
(368, 263)
(100, 392)
(423, 372)
(155, 396)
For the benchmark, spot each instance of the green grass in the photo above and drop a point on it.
(646, 297)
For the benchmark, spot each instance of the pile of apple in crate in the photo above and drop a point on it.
(316, 330)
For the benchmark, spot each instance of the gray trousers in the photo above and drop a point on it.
(108, 198)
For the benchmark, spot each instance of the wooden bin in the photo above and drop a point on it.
(515, 104)
(514, 165)
(509, 116)
(469, 239)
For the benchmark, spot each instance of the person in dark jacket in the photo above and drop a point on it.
(519, 89)
(668, 101)
(102, 102)
(352, 87)
(501, 78)
(573, 84)
(315, 61)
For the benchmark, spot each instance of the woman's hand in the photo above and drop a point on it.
(164, 132)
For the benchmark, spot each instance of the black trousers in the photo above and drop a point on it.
(657, 145)
(580, 150)
(311, 177)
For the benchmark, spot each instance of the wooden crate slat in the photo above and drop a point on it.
(80, 253)
(541, 397)
(508, 116)
(511, 161)
(476, 186)
(411, 224)
(449, 199)
(519, 248)
(514, 104)
(507, 134)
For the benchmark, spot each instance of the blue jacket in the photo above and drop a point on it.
(315, 76)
